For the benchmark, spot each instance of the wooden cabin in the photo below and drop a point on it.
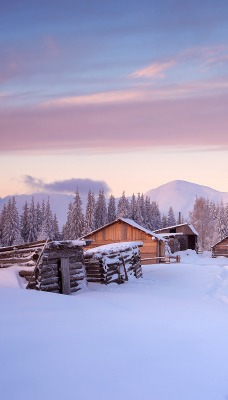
(221, 248)
(126, 230)
(180, 237)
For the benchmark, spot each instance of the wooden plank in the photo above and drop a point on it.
(65, 275)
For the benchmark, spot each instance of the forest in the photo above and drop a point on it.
(37, 221)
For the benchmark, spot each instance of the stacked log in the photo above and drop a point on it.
(24, 255)
(113, 263)
(61, 268)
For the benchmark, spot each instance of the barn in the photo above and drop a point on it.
(180, 237)
(127, 230)
(220, 248)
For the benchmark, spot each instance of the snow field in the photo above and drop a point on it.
(157, 338)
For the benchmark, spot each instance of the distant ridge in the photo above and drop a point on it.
(181, 195)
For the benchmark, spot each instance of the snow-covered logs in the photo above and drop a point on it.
(61, 267)
(113, 262)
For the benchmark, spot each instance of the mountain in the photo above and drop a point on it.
(178, 194)
(181, 196)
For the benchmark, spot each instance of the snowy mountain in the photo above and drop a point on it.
(178, 194)
(182, 194)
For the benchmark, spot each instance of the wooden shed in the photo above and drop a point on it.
(180, 237)
(60, 268)
(220, 248)
(126, 230)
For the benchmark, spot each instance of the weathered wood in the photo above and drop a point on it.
(65, 275)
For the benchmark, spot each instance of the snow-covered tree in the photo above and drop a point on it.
(32, 217)
(89, 215)
(101, 213)
(111, 209)
(164, 222)
(123, 207)
(24, 223)
(138, 215)
(56, 233)
(156, 216)
(11, 229)
(171, 220)
(133, 207)
(47, 224)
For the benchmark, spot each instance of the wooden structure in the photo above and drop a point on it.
(24, 255)
(113, 263)
(180, 237)
(126, 230)
(221, 248)
(60, 268)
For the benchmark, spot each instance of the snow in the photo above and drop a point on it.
(160, 337)
(113, 248)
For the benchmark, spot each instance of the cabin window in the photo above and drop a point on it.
(173, 230)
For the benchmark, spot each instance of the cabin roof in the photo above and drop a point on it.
(220, 241)
(131, 223)
(179, 225)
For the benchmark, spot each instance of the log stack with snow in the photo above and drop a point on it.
(113, 262)
(60, 268)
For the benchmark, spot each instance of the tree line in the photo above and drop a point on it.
(210, 219)
(37, 221)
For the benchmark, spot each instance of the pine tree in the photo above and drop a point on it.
(138, 216)
(32, 217)
(39, 217)
(11, 229)
(76, 218)
(156, 216)
(133, 208)
(123, 208)
(101, 213)
(56, 233)
(3, 217)
(24, 223)
(201, 217)
(164, 221)
(47, 224)
(66, 227)
(89, 215)
(111, 209)
(171, 220)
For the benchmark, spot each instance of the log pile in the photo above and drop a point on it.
(24, 255)
(61, 268)
(113, 262)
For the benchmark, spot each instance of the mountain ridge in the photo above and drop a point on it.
(179, 194)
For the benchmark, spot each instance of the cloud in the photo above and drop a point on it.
(98, 98)
(155, 70)
(68, 186)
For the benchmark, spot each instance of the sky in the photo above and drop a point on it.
(127, 95)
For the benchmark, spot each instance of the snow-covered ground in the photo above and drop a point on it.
(162, 337)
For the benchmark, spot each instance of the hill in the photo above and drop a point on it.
(181, 195)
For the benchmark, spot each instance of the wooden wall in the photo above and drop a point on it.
(120, 231)
(221, 248)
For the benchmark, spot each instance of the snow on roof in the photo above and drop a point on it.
(129, 222)
(113, 247)
(141, 228)
(171, 234)
(176, 226)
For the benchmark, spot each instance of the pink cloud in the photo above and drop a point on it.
(155, 70)
(180, 122)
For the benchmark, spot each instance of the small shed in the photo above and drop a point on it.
(127, 230)
(60, 268)
(180, 237)
(220, 248)
(113, 262)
